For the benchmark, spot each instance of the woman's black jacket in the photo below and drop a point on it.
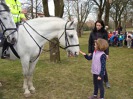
(94, 36)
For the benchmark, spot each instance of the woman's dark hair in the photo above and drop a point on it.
(102, 29)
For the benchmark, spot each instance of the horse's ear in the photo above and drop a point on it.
(71, 23)
(74, 23)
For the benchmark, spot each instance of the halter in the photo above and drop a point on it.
(67, 44)
(4, 29)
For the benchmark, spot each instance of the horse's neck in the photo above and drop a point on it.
(48, 29)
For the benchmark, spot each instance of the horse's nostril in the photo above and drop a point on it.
(13, 40)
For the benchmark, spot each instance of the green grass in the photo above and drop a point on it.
(70, 79)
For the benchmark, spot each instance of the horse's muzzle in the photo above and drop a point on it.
(70, 54)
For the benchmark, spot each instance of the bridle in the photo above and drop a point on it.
(4, 29)
(67, 44)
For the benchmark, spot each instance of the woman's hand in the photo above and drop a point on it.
(107, 57)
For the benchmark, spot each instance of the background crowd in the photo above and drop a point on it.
(120, 39)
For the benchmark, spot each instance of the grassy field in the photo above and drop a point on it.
(71, 78)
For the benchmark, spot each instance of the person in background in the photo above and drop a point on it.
(110, 34)
(129, 40)
(132, 41)
(119, 28)
(99, 32)
(98, 66)
(18, 16)
(120, 39)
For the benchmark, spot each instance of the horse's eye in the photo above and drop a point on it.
(71, 36)
(5, 18)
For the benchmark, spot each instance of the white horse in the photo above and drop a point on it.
(31, 37)
(7, 25)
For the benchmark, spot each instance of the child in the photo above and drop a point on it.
(98, 66)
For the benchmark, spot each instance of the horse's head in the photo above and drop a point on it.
(69, 39)
(7, 25)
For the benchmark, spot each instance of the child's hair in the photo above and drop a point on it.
(102, 44)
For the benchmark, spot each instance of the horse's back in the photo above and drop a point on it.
(47, 19)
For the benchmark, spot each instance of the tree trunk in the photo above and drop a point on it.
(32, 14)
(55, 53)
(80, 29)
(100, 14)
(36, 8)
(107, 13)
(54, 50)
(46, 9)
(59, 8)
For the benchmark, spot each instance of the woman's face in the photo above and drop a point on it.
(98, 26)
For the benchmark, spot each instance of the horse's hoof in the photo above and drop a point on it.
(27, 95)
(32, 91)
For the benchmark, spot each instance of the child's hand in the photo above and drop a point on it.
(107, 57)
(99, 78)
(82, 53)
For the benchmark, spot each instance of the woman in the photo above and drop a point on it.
(99, 32)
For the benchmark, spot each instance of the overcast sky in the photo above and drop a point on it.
(51, 7)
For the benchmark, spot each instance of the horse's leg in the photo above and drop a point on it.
(31, 70)
(25, 66)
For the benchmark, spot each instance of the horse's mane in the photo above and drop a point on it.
(5, 7)
(49, 19)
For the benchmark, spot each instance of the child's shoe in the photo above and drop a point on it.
(93, 97)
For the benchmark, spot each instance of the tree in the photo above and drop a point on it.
(117, 10)
(107, 9)
(101, 5)
(45, 8)
(55, 52)
(33, 7)
(79, 10)
(54, 44)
